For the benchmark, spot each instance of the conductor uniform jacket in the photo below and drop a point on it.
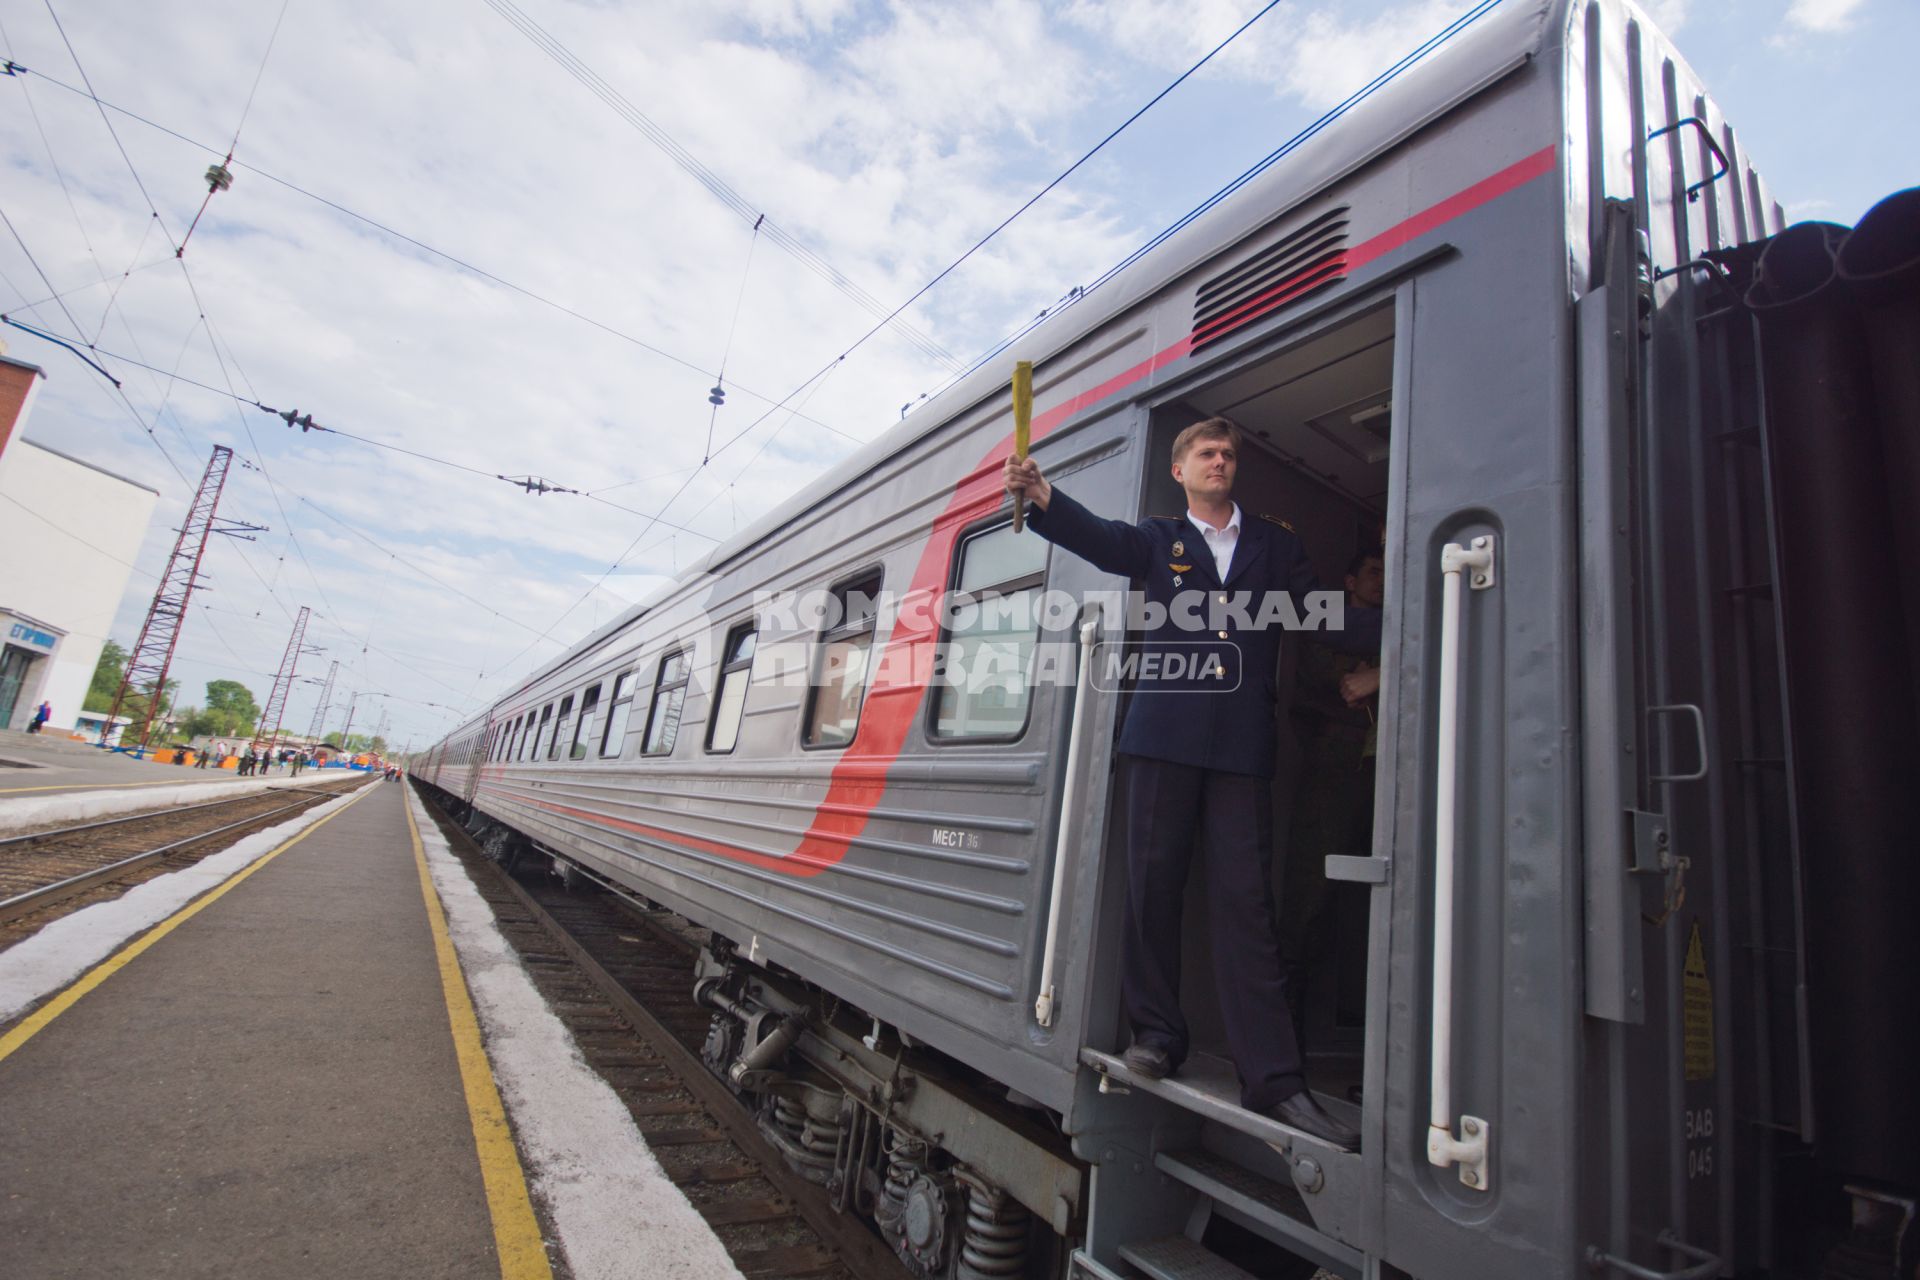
(1204, 692)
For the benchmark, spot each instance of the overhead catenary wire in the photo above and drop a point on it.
(199, 307)
(1432, 43)
(111, 132)
(550, 45)
(919, 293)
(424, 247)
(220, 176)
(306, 423)
(718, 395)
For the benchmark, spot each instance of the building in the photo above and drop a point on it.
(71, 531)
(18, 383)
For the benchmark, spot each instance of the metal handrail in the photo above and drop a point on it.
(1470, 1150)
(1705, 1263)
(1043, 1007)
(1706, 135)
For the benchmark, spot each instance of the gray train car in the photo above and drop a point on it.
(1494, 307)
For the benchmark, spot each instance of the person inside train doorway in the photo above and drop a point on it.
(1198, 756)
(1336, 721)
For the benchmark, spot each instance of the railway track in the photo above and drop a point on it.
(621, 978)
(54, 872)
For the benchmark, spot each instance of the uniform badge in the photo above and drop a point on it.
(1179, 548)
(1180, 568)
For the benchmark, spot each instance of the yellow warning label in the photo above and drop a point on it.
(1697, 1008)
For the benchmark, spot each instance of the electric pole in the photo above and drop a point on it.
(326, 705)
(152, 655)
(283, 682)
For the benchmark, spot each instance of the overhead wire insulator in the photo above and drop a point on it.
(717, 396)
(219, 178)
(536, 484)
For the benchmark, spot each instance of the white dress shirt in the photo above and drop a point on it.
(1219, 541)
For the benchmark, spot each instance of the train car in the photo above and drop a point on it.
(1621, 982)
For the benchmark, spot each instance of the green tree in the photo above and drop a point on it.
(107, 674)
(230, 708)
(377, 745)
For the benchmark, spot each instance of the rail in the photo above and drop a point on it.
(32, 900)
(1470, 1149)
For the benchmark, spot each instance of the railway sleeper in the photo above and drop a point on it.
(962, 1184)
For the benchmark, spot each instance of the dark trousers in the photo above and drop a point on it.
(1173, 810)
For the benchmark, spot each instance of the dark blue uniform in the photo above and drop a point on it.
(1198, 758)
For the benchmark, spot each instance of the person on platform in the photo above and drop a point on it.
(41, 715)
(1198, 757)
(200, 758)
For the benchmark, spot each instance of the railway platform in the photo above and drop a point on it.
(284, 1078)
(40, 764)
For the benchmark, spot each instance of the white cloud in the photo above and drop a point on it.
(887, 150)
(885, 135)
(1319, 55)
(1822, 17)
(1668, 15)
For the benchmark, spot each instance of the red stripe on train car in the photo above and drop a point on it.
(858, 779)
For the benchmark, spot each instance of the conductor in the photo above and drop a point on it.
(1197, 757)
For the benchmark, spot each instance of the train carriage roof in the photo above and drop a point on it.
(1502, 36)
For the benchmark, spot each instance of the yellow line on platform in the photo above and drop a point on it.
(516, 1232)
(34, 1023)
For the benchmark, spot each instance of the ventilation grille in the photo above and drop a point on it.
(1299, 264)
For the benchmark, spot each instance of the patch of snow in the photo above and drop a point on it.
(613, 1206)
(67, 948)
(31, 811)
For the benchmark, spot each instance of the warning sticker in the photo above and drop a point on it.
(1697, 1008)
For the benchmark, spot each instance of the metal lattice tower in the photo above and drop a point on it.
(152, 655)
(283, 682)
(325, 705)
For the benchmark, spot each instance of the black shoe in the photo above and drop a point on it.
(1148, 1061)
(1302, 1112)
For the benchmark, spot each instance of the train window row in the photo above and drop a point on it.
(982, 692)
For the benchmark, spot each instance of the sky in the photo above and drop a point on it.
(519, 236)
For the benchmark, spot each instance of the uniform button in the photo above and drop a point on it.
(1223, 635)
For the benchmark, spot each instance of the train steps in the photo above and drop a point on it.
(1178, 1258)
(1244, 1166)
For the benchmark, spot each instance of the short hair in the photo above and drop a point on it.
(1363, 555)
(1211, 429)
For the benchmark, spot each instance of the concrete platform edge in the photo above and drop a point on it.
(606, 1195)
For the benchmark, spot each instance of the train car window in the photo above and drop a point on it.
(583, 732)
(562, 724)
(730, 690)
(993, 624)
(669, 692)
(839, 685)
(618, 708)
(513, 739)
(540, 733)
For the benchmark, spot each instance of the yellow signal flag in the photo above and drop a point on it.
(1022, 427)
